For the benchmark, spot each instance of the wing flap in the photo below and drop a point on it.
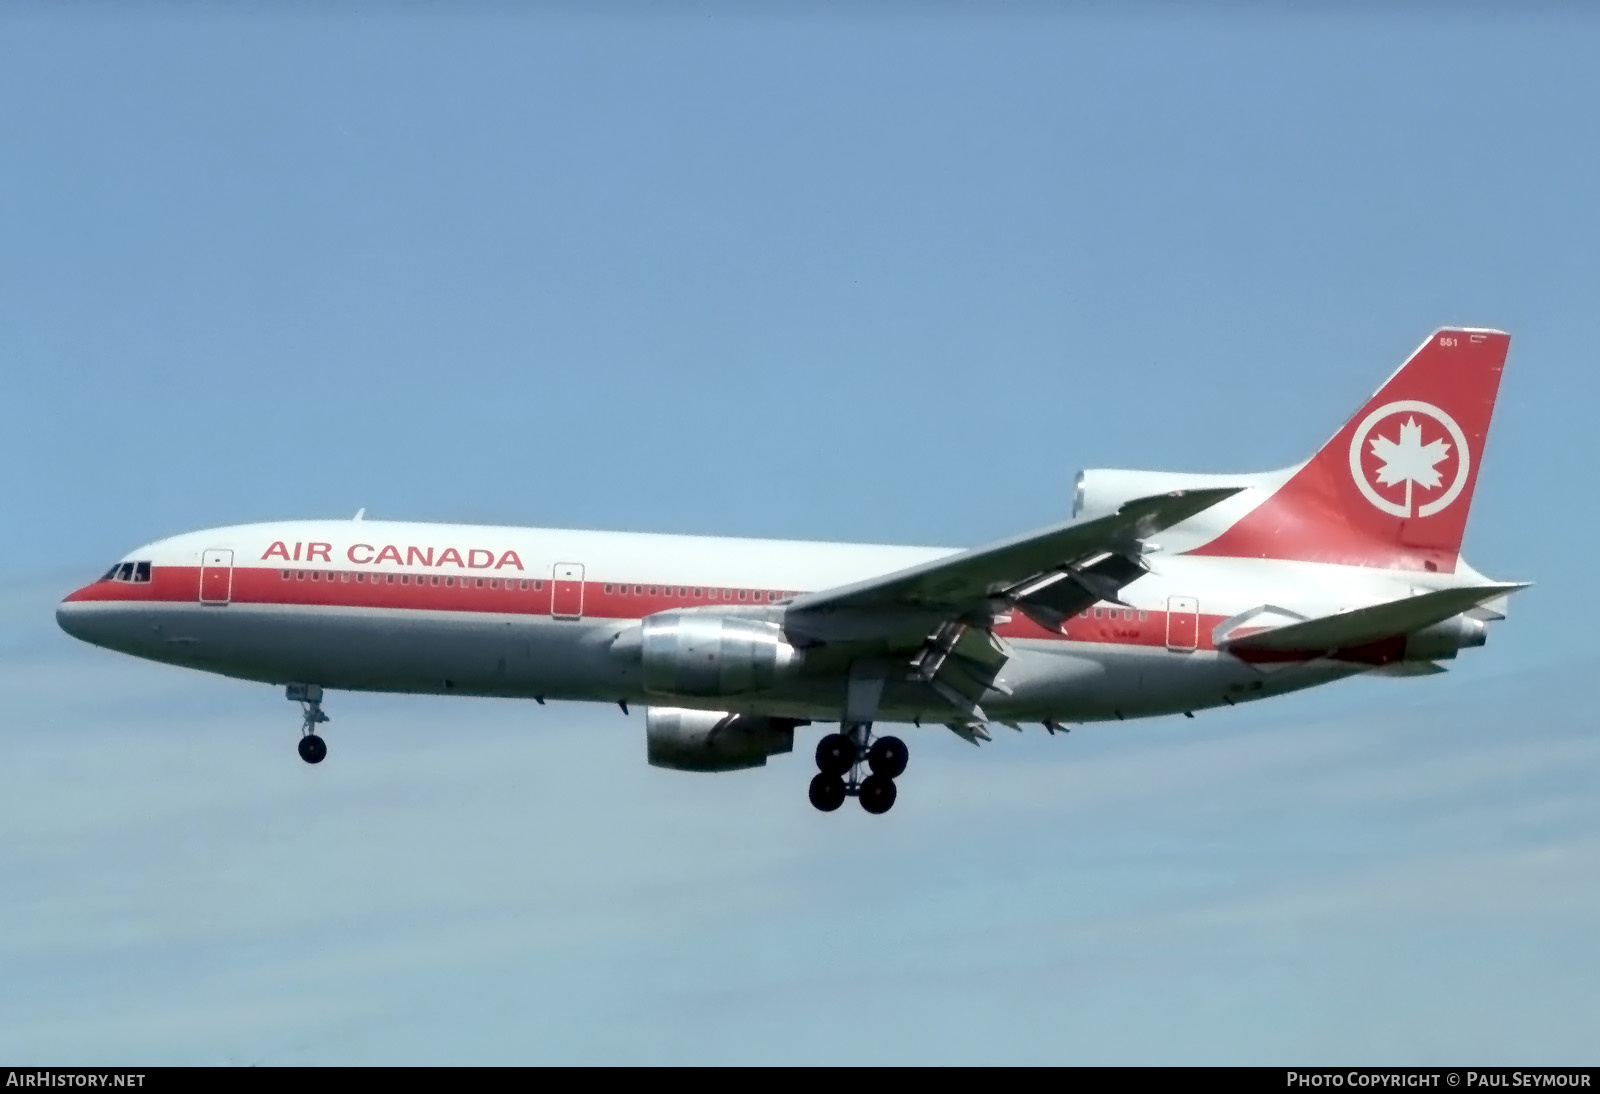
(1072, 590)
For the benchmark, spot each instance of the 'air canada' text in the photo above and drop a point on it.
(365, 554)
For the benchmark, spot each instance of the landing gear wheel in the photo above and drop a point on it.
(313, 748)
(877, 794)
(887, 757)
(836, 754)
(827, 792)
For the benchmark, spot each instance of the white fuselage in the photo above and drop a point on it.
(528, 612)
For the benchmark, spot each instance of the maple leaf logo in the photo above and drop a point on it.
(1407, 460)
(1410, 461)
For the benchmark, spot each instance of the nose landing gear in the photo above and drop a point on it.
(839, 760)
(313, 749)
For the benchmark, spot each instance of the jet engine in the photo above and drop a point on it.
(698, 653)
(713, 740)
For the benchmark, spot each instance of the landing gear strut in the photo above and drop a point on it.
(839, 761)
(313, 749)
(840, 755)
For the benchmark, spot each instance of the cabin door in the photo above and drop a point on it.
(216, 576)
(566, 590)
(1183, 623)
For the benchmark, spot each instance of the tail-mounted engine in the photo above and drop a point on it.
(1444, 640)
(713, 740)
(702, 654)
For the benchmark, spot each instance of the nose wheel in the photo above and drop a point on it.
(313, 749)
(840, 758)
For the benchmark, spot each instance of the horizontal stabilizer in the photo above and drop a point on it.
(1370, 624)
(1406, 669)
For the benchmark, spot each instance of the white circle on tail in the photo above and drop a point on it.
(1407, 460)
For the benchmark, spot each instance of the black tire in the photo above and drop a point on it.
(888, 756)
(877, 794)
(827, 792)
(836, 754)
(313, 749)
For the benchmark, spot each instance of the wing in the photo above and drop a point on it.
(939, 615)
(1019, 571)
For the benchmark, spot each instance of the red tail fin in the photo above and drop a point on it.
(1392, 488)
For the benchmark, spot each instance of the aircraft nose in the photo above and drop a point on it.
(72, 617)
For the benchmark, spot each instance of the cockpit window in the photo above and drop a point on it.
(137, 572)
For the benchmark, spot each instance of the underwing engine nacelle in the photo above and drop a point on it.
(713, 740)
(707, 655)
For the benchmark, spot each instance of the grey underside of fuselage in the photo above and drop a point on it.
(518, 656)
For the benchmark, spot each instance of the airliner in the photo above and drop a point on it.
(1166, 593)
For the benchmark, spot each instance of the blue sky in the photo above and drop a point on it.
(888, 277)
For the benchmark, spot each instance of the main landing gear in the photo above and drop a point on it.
(839, 760)
(313, 749)
(840, 755)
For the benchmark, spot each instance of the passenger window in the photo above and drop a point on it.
(608, 588)
(538, 584)
(286, 575)
(494, 583)
(316, 575)
(652, 590)
(697, 593)
(435, 582)
(638, 590)
(477, 583)
(388, 579)
(300, 575)
(1099, 613)
(524, 586)
(449, 582)
(1143, 616)
(741, 594)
